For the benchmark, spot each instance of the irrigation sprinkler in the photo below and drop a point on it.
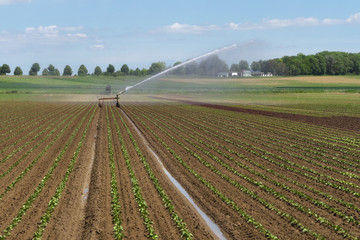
(117, 97)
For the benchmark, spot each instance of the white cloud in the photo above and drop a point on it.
(54, 32)
(264, 24)
(77, 35)
(186, 28)
(98, 46)
(354, 18)
(8, 2)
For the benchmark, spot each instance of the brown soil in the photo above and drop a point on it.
(247, 144)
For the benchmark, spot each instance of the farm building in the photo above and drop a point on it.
(244, 73)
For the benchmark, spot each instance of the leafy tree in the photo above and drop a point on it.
(137, 72)
(82, 70)
(144, 72)
(51, 70)
(67, 71)
(179, 70)
(125, 69)
(243, 65)
(4, 69)
(45, 72)
(110, 69)
(157, 68)
(34, 69)
(212, 66)
(57, 72)
(97, 71)
(18, 71)
(234, 67)
(257, 65)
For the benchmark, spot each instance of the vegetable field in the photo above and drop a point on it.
(77, 171)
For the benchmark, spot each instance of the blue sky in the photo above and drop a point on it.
(137, 33)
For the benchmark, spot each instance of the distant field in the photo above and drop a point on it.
(319, 95)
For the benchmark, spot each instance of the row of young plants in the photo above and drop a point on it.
(319, 154)
(55, 200)
(114, 190)
(329, 197)
(28, 203)
(44, 150)
(324, 137)
(22, 129)
(181, 225)
(178, 125)
(333, 210)
(287, 125)
(322, 194)
(287, 148)
(322, 175)
(321, 142)
(144, 213)
(263, 186)
(225, 138)
(23, 116)
(58, 123)
(248, 218)
(15, 127)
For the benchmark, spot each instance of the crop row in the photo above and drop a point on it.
(227, 139)
(269, 190)
(115, 202)
(261, 154)
(56, 198)
(208, 184)
(44, 150)
(242, 188)
(33, 148)
(250, 136)
(28, 203)
(181, 225)
(16, 127)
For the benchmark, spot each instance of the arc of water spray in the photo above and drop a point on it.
(179, 65)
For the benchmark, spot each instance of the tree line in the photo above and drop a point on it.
(322, 63)
(82, 71)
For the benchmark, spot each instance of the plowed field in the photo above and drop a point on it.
(77, 171)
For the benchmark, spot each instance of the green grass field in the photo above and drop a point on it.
(325, 95)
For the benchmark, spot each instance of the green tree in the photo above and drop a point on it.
(257, 66)
(110, 69)
(67, 71)
(157, 68)
(212, 66)
(243, 65)
(82, 70)
(4, 69)
(97, 71)
(34, 69)
(45, 72)
(125, 69)
(144, 72)
(57, 72)
(234, 67)
(137, 72)
(18, 71)
(51, 70)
